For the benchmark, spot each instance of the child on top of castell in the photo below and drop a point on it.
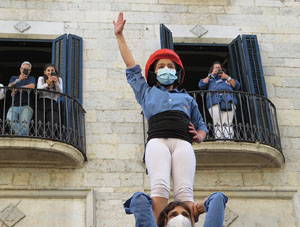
(174, 122)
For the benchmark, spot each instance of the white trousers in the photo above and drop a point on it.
(175, 158)
(222, 121)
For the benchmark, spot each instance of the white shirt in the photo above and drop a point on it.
(42, 85)
(1, 92)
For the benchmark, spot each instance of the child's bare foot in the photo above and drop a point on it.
(198, 208)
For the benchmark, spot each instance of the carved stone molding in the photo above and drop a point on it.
(87, 195)
(199, 30)
(11, 215)
(22, 26)
(229, 217)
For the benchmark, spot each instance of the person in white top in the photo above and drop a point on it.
(1, 91)
(48, 111)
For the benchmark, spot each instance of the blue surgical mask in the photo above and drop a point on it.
(166, 76)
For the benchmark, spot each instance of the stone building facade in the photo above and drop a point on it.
(92, 193)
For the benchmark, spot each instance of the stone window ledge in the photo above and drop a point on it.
(221, 154)
(33, 152)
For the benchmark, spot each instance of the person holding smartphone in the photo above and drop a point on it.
(48, 111)
(221, 105)
(20, 113)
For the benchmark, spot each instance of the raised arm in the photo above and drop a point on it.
(124, 50)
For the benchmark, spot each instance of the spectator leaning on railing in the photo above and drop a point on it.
(20, 113)
(221, 105)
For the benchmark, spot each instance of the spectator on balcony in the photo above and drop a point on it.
(177, 213)
(221, 105)
(50, 83)
(20, 113)
(173, 118)
(2, 91)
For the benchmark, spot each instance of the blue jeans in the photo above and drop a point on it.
(214, 208)
(19, 118)
(140, 204)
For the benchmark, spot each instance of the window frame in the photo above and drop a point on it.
(242, 68)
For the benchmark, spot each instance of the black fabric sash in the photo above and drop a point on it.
(169, 124)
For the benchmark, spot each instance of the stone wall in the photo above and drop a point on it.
(114, 127)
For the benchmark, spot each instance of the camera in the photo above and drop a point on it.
(53, 74)
(25, 72)
(220, 71)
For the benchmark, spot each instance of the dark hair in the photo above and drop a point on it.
(163, 216)
(152, 76)
(46, 77)
(212, 66)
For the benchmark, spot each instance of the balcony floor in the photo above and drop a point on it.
(220, 154)
(34, 152)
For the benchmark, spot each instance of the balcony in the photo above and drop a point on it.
(250, 140)
(55, 143)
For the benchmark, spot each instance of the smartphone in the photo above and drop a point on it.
(25, 72)
(53, 74)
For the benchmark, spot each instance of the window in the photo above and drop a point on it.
(65, 52)
(241, 58)
(14, 51)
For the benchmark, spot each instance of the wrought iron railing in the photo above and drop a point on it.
(35, 116)
(252, 119)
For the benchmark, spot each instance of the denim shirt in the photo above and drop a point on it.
(157, 99)
(218, 84)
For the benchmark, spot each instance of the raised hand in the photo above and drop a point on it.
(54, 78)
(124, 50)
(22, 77)
(215, 71)
(119, 25)
(224, 76)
